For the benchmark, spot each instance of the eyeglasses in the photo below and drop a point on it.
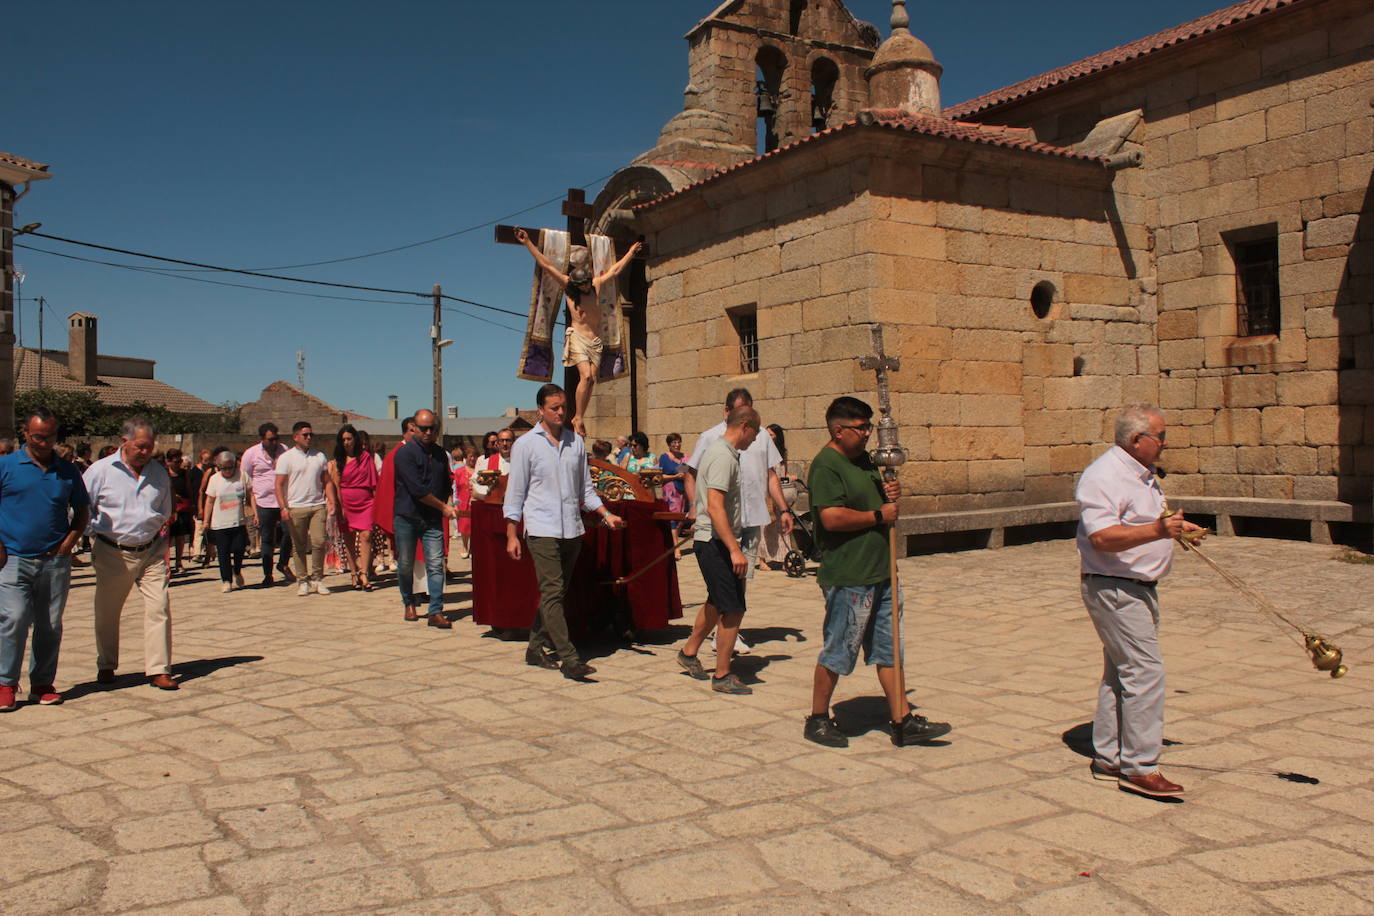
(424, 429)
(1159, 436)
(862, 429)
(305, 435)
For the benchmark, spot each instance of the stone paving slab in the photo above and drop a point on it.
(325, 757)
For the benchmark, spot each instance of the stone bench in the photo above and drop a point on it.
(1320, 513)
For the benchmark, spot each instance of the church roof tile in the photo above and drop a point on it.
(1169, 38)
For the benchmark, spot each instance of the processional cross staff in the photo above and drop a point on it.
(889, 455)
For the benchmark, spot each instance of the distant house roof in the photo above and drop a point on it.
(112, 390)
(18, 170)
(1169, 38)
(1014, 138)
(12, 159)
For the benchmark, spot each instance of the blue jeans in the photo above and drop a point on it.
(409, 531)
(33, 591)
(857, 617)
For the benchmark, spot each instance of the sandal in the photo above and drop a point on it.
(366, 585)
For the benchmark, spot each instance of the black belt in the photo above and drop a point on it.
(127, 548)
(1145, 582)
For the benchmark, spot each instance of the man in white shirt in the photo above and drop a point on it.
(758, 484)
(259, 465)
(1126, 545)
(548, 488)
(131, 505)
(307, 497)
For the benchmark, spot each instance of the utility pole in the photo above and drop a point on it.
(437, 348)
(19, 304)
(42, 304)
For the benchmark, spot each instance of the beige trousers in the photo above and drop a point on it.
(116, 572)
(307, 528)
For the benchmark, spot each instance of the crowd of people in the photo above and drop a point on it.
(140, 512)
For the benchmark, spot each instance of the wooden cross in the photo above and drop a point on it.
(578, 212)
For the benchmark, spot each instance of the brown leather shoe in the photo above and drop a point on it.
(578, 672)
(105, 676)
(1102, 771)
(410, 613)
(439, 621)
(1153, 785)
(164, 682)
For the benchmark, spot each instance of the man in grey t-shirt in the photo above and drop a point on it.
(723, 562)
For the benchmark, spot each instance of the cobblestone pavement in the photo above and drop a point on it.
(323, 756)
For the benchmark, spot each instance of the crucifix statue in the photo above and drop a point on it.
(579, 269)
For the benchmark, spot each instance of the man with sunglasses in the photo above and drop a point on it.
(1126, 545)
(259, 465)
(307, 497)
(854, 510)
(423, 488)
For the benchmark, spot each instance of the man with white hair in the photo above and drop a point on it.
(131, 505)
(1125, 543)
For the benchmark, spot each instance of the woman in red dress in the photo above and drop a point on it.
(355, 474)
(462, 489)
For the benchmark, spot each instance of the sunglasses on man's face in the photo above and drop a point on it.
(424, 429)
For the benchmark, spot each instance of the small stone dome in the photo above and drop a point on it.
(903, 49)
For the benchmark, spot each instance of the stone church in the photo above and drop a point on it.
(1187, 219)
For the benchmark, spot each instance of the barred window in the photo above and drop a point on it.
(1256, 255)
(746, 324)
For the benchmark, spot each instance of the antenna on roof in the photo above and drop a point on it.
(300, 369)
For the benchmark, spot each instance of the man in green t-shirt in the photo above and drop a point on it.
(854, 509)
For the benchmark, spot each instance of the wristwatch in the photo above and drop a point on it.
(877, 516)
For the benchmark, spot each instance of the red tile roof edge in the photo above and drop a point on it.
(22, 162)
(897, 119)
(1169, 38)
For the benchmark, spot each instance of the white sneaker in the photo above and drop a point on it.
(321, 588)
(741, 647)
(227, 587)
(303, 589)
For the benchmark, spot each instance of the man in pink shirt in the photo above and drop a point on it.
(259, 465)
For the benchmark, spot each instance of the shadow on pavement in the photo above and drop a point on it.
(183, 672)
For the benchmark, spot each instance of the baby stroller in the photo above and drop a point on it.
(804, 545)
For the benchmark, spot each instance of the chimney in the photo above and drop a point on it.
(81, 352)
(393, 406)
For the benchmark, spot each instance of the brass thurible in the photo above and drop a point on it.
(1326, 655)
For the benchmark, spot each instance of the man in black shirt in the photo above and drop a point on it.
(423, 487)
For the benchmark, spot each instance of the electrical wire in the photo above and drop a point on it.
(171, 275)
(268, 276)
(437, 238)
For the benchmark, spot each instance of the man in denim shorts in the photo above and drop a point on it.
(854, 510)
(724, 564)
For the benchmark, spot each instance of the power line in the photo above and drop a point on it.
(256, 273)
(228, 270)
(169, 275)
(437, 238)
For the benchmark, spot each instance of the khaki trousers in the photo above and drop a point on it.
(116, 572)
(307, 528)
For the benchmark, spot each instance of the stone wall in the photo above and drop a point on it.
(1263, 126)
(943, 244)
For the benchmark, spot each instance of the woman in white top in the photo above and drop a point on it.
(225, 498)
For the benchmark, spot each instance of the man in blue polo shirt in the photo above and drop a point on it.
(43, 511)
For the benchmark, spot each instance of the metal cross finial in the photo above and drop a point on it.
(889, 455)
(900, 19)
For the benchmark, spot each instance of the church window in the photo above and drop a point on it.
(824, 77)
(772, 64)
(795, 16)
(745, 321)
(1256, 255)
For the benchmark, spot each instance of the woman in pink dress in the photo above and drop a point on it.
(462, 496)
(355, 474)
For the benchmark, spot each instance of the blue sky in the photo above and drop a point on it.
(259, 134)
